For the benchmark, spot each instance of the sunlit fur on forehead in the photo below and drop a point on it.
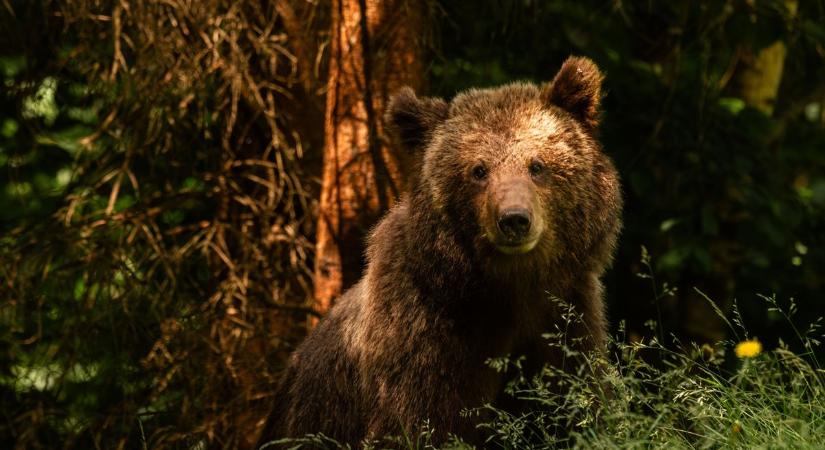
(498, 126)
(533, 131)
(511, 118)
(498, 109)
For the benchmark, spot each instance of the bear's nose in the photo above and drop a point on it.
(514, 223)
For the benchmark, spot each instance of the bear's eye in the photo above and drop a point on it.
(536, 168)
(479, 172)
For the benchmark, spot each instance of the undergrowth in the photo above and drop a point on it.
(654, 394)
(730, 395)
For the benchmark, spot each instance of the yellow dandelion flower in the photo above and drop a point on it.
(736, 428)
(748, 349)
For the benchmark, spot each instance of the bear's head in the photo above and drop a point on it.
(517, 169)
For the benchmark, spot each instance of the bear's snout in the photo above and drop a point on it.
(514, 223)
(514, 226)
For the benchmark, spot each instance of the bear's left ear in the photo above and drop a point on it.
(413, 119)
(577, 89)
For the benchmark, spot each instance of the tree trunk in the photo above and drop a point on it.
(375, 50)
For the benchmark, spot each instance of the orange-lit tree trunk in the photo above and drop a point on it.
(375, 49)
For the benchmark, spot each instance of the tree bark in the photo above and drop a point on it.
(375, 50)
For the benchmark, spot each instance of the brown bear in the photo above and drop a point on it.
(511, 201)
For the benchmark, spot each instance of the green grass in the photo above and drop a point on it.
(653, 397)
(648, 395)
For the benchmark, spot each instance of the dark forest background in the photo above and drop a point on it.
(185, 185)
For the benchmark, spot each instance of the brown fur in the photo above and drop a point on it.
(410, 340)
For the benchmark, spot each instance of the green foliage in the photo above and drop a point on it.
(685, 400)
(646, 394)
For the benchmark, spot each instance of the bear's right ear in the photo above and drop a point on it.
(576, 88)
(413, 119)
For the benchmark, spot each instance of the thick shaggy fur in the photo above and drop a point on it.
(408, 343)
